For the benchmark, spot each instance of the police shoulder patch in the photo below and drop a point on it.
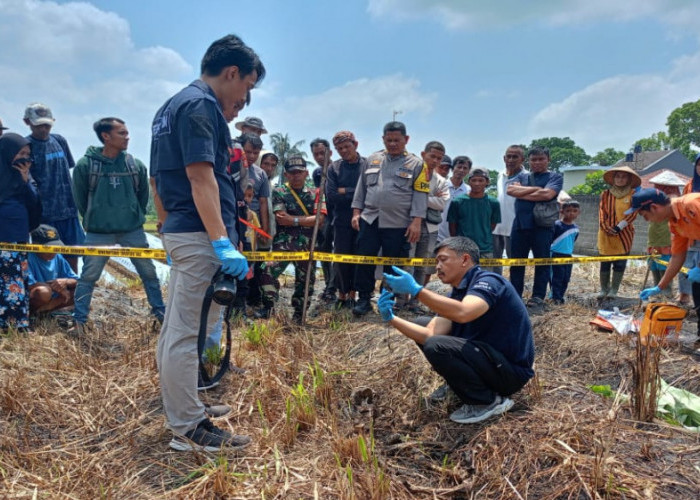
(422, 184)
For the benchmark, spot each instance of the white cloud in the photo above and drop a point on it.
(82, 62)
(617, 111)
(362, 106)
(477, 14)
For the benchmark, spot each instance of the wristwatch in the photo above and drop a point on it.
(296, 221)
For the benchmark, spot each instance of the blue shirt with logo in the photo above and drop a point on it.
(505, 326)
(190, 128)
(51, 171)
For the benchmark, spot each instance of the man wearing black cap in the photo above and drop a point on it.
(52, 282)
(294, 206)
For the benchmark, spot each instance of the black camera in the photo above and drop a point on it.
(224, 288)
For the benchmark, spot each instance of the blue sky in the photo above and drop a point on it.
(475, 75)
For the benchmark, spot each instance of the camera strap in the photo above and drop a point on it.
(201, 340)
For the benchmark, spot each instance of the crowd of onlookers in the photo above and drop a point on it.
(391, 203)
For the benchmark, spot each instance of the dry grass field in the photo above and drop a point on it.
(337, 411)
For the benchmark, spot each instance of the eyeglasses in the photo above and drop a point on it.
(512, 157)
(20, 162)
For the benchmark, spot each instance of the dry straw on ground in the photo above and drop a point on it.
(336, 411)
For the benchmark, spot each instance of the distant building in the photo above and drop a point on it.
(646, 163)
(575, 176)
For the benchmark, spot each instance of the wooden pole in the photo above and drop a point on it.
(312, 268)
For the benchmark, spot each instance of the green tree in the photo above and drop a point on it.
(594, 184)
(656, 142)
(562, 151)
(282, 146)
(684, 128)
(609, 156)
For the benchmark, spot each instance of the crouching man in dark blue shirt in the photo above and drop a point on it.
(481, 341)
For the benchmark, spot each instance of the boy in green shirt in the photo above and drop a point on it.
(476, 214)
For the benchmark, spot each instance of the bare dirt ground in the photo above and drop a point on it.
(338, 410)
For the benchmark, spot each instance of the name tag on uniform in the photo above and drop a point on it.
(370, 171)
(404, 173)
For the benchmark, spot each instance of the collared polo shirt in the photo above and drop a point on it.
(505, 326)
(191, 128)
(387, 190)
(685, 223)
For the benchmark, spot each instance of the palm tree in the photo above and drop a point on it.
(283, 148)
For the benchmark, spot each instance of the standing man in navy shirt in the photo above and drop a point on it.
(529, 188)
(189, 160)
(51, 171)
(481, 342)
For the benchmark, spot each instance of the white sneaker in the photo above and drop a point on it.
(471, 414)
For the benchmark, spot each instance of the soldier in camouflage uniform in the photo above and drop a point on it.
(294, 206)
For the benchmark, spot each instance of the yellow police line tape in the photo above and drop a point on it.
(154, 253)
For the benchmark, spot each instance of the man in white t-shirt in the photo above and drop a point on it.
(460, 167)
(514, 157)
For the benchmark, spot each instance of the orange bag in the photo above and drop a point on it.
(661, 320)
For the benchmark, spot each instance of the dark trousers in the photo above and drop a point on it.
(617, 266)
(696, 301)
(474, 370)
(561, 274)
(371, 239)
(324, 243)
(345, 243)
(522, 241)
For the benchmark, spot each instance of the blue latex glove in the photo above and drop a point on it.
(385, 304)
(232, 261)
(402, 282)
(648, 292)
(694, 275)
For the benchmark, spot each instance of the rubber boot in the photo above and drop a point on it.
(615, 285)
(604, 284)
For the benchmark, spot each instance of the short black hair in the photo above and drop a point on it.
(231, 51)
(253, 139)
(105, 125)
(460, 245)
(434, 145)
(518, 147)
(269, 153)
(395, 127)
(462, 159)
(570, 203)
(538, 150)
(318, 141)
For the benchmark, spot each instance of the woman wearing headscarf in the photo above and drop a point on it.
(20, 212)
(615, 231)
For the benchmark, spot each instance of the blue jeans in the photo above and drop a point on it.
(93, 266)
(539, 240)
